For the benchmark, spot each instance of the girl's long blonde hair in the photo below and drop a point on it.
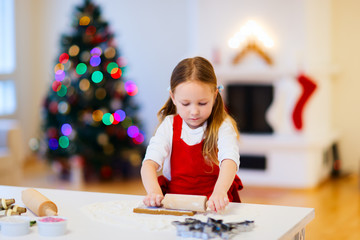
(200, 69)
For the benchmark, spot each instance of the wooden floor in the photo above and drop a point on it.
(336, 201)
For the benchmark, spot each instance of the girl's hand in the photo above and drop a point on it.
(153, 199)
(218, 201)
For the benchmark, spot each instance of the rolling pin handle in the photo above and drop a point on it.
(50, 212)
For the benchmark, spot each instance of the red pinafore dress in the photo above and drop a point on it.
(189, 172)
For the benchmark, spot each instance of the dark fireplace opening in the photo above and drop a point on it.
(248, 103)
(253, 162)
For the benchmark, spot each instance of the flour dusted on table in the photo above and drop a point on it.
(121, 213)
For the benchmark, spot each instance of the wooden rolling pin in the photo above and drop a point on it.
(38, 203)
(185, 202)
(176, 204)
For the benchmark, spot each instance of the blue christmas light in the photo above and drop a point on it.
(66, 129)
(53, 143)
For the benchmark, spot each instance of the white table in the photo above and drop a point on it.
(271, 222)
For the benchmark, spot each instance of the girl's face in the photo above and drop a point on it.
(194, 101)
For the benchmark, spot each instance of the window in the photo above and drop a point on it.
(7, 97)
(7, 58)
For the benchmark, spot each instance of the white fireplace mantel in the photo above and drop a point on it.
(294, 158)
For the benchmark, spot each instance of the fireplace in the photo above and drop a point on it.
(272, 151)
(247, 104)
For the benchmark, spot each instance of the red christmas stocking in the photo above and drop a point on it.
(308, 88)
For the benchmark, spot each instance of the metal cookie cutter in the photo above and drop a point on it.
(194, 228)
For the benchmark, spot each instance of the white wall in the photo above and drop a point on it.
(346, 114)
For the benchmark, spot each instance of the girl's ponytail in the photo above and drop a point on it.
(168, 109)
(217, 117)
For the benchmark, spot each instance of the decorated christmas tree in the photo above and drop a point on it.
(90, 115)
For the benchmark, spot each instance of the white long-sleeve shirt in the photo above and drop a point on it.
(160, 145)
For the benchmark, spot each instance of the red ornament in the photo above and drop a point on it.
(90, 30)
(116, 118)
(56, 85)
(116, 73)
(106, 172)
(97, 39)
(53, 107)
(64, 57)
(138, 139)
(52, 132)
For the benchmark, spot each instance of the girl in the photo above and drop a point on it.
(196, 142)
